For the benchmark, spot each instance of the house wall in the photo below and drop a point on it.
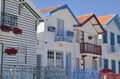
(26, 21)
(106, 53)
(49, 37)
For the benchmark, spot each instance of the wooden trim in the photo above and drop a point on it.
(96, 20)
(90, 48)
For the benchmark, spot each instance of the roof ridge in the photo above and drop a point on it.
(106, 15)
(86, 14)
(49, 9)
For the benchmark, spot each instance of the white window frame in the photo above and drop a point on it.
(57, 59)
(21, 55)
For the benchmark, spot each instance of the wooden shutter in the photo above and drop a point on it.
(105, 37)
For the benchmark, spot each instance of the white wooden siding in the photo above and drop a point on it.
(26, 21)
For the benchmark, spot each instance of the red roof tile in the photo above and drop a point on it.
(84, 18)
(49, 9)
(104, 19)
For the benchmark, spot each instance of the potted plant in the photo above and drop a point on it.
(10, 51)
(6, 28)
(90, 37)
(17, 30)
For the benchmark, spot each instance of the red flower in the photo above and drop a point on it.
(11, 51)
(17, 30)
(6, 28)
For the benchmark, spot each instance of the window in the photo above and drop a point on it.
(70, 33)
(105, 63)
(60, 27)
(94, 64)
(22, 54)
(51, 29)
(58, 59)
(55, 59)
(50, 56)
(105, 38)
(10, 20)
(118, 39)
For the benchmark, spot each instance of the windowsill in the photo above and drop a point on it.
(105, 44)
(11, 34)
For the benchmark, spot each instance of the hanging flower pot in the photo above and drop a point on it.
(90, 37)
(17, 30)
(10, 51)
(6, 28)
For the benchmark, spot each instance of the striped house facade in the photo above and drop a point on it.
(18, 43)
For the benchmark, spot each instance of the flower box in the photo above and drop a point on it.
(6, 28)
(17, 30)
(10, 51)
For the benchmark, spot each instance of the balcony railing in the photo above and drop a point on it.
(64, 36)
(90, 48)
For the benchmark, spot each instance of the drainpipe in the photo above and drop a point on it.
(2, 23)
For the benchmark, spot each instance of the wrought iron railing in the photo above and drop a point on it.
(90, 48)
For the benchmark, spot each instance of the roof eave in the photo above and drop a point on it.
(64, 7)
(29, 5)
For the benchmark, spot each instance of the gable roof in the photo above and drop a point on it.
(105, 19)
(29, 5)
(83, 19)
(51, 10)
(112, 17)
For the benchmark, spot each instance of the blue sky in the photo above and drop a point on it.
(81, 7)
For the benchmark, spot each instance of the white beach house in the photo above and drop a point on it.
(110, 42)
(18, 37)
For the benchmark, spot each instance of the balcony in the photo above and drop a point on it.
(64, 36)
(90, 48)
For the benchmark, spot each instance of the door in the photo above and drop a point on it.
(68, 62)
(113, 64)
(38, 66)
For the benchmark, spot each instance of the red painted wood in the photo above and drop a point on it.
(90, 48)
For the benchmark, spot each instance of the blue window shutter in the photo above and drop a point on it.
(105, 63)
(119, 66)
(113, 64)
(105, 37)
(118, 39)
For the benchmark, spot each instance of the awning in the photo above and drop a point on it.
(106, 71)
